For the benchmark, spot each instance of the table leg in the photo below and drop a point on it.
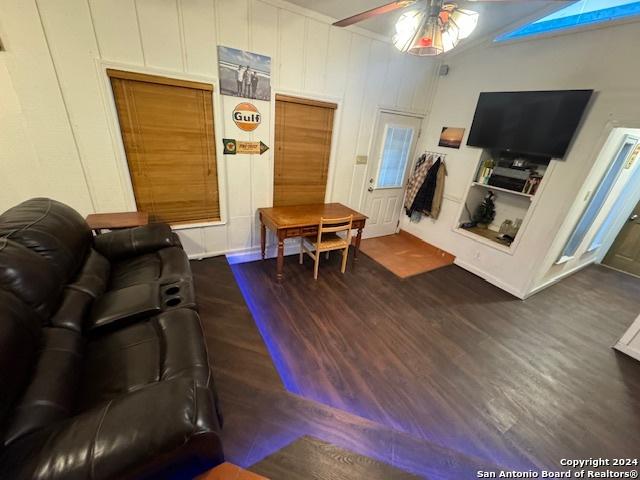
(357, 246)
(263, 238)
(280, 266)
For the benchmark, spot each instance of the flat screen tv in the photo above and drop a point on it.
(532, 123)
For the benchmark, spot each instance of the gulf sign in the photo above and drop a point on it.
(246, 116)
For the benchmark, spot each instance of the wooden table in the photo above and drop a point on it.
(114, 221)
(302, 221)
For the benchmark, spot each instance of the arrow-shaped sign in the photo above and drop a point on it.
(233, 146)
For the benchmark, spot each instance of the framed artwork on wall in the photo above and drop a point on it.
(451, 137)
(244, 74)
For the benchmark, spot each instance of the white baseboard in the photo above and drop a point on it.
(632, 352)
(557, 278)
(489, 278)
(245, 255)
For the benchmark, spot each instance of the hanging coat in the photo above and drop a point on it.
(416, 180)
(438, 193)
(424, 197)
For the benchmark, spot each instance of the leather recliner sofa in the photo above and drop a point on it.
(103, 365)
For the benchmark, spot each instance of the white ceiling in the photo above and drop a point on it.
(494, 16)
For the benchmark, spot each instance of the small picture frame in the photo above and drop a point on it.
(451, 137)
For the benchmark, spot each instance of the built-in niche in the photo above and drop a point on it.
(515, 181)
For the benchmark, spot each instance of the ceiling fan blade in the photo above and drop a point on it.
(389, 7)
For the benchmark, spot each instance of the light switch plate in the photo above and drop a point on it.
(361, 160)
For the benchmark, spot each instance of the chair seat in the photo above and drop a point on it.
(330, 241)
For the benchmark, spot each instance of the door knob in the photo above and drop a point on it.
(370, 189)
(633, 217)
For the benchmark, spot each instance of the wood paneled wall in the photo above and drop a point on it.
(309, 58)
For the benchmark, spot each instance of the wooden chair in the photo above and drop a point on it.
(327, 241)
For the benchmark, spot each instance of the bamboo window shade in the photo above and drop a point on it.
(303, 131)
(168, 134)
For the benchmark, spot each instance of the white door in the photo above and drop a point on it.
(394, 139)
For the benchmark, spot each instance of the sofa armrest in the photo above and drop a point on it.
(165, 427)
(129, 242)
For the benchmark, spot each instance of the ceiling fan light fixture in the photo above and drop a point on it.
(450, 38)
(432, 31)
(465, 20)
(406, 29)
(428, 41)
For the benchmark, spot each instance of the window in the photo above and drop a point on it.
(597, 200)
(583, 12)
(395, 154)
(303, 131)
(167, 131)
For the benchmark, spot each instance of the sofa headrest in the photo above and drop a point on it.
(51, 229)
(30, 277)
(20, 336)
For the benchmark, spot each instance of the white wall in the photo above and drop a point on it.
(310, 58)
(38, 156)
(597, 59)
(550, 271)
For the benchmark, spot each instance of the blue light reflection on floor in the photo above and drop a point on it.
(276, 355)
(576, 17)
(275, 441)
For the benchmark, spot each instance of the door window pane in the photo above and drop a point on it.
(597, 201)
(395, 154)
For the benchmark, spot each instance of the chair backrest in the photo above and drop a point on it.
(335, 225)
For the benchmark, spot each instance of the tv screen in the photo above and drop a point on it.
(533, 123)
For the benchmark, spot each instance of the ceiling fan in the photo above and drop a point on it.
(431, 28)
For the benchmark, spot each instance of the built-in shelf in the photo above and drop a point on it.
(500, 189)
(514, 173)
(485, 236)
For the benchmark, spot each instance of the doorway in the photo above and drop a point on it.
(303, 132)
(395, 138)
(624, 254)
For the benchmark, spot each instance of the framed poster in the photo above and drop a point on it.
(244, 74)
(451, 137)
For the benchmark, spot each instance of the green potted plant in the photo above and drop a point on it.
(486, 211)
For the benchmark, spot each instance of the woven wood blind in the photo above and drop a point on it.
(303, 130)
(167, 130)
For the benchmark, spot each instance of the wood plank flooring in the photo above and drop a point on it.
(405, 255)
(311, 459)
(261, 416)
(442, 357)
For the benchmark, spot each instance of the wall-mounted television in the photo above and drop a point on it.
(531, 123)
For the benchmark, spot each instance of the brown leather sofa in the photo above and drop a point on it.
(103, 365)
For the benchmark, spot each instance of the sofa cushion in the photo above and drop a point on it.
(168, 265)
(166, 346)
(94, 276)
(141, 435)
(29, 276)
(73, 310)
(124, 306)
(50, 397)
(131, 242)
(142, 269)
(19, 342)
(52, 229)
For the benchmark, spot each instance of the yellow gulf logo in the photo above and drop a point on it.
(246, 116)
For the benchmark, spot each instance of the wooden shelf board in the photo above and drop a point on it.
(485, 236)
(500, 189)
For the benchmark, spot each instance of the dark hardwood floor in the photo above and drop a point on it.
(440, 374)
(309, 458)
